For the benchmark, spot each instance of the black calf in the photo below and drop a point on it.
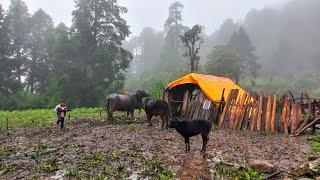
(192, 128)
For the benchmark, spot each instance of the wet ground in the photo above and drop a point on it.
(91, 148)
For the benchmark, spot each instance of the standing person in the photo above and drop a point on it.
(61, 110)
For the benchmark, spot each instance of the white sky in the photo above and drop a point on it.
(142, 13)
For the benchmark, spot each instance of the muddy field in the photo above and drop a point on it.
(92, 148)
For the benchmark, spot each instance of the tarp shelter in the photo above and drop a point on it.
(211, 86)
(198, 95)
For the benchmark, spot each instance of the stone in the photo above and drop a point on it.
(261, 165)
(308, 168)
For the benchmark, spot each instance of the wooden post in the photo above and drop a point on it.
(274, 113)
(253, 119)
(240, 111)
(234, 111)
(185, 104)
(225, 109)
(295, 120)
(288, 114)
(308, 117)
(244, 112)
(259, 120)
(221, 104)
(284, 113)
(232, 105)
(268, 114)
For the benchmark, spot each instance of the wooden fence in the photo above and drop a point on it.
(267, 113)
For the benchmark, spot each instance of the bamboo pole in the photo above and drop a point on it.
(274, 113)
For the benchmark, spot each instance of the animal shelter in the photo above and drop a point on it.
(198, 96)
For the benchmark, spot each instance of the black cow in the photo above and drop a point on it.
(191, 128)
(128, 103)
(157, 108)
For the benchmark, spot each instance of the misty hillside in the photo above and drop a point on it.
(284, 40)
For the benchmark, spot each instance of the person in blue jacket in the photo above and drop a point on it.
(61, 110)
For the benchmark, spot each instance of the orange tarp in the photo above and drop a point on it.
(212, 86)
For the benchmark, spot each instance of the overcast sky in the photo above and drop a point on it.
(142, 13)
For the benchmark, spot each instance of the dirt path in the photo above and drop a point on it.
(89, 148)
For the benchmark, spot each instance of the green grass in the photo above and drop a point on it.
(314, 141)
(39, 117)
(231, 172)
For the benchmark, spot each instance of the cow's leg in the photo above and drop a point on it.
(149, 118)
(132, 113)
(166, 121)
(162, 122)
(187, 142)
(205, 138)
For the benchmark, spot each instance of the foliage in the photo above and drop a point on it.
(224, 61)
(241, 42)
(315, 143)
(229, 172)
(192, 41)
(79, 63)
(40, 116)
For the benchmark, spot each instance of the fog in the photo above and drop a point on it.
(142, 13)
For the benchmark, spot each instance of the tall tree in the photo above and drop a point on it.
(41, 26)
(100, 59)
(175, 15)
(18, 17)
(192, 41)
(241, 42)
(172, 49)
(224, 61)
(5, 64)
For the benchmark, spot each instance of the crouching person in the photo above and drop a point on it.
(61, 110)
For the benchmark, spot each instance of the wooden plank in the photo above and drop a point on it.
(185, 103)
(284, 113)
(230, 111)
(234, 112)
(287, 119)
(221, 105)
(259, 120)
(240, 111)
(274, 113)
(268, 114)
(243, 111)
(295, 121)
(225, 109)
(254, 117)
(309, 113)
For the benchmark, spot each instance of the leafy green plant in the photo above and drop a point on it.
(50, 164)
(154, 166)
(5, 169)
(314, 141)
(230, 172)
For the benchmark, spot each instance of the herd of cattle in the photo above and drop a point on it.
(158, 107)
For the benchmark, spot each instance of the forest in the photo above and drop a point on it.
(272, 49)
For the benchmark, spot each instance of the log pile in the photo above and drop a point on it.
(266, 113)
